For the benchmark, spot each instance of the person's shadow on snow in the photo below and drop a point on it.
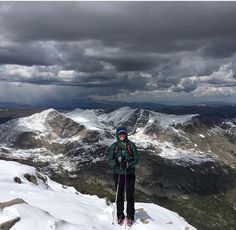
(141, 214)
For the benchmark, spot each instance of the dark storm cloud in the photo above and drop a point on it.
(132, 62)
(220, 48)
(153, 26)
(159, 26)
(119, 46)
(25, 54)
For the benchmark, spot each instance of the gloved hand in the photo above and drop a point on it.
(124, 164)
(119, 159)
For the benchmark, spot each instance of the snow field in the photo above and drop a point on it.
(53, 206)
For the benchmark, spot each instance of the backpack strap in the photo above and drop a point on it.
(129, 150)
(116, 149)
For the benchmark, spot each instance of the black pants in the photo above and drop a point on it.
(130, 181)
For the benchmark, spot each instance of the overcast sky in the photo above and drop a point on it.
(161, 52)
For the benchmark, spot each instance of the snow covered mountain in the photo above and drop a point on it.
(31, 200)
(179, 153)
(179, 137)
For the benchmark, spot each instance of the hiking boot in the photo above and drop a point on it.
(129, 222)
(120, 220)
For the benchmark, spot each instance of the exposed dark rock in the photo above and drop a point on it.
(31, 178)
(42, 177)
(62, 126)
(17, 180)
(11, 202)
(27, 140)
(9, 224)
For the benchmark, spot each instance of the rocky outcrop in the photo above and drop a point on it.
(17, 180)
(31, 178)
(11, 202)
(6, 225)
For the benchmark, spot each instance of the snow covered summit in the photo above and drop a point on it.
(47, 205)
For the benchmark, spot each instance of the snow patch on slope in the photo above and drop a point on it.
(31, 218)
(53, 206)
(119, 116)
(96, 120)
(88, 118)
(169, 151)
(166, 120)
(35, 122)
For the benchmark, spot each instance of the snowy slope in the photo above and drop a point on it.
(35, 122)
(89, 118)
(50, 205)
(95, 119)
(118, 116)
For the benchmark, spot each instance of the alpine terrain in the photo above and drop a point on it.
(187, 162)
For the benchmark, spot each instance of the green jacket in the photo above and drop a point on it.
(123, 151)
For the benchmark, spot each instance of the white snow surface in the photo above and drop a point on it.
(119, 115)
(89, 118)
(52, 206)
(169, 151)
(182, 156)
(169, 119)
(35, 122)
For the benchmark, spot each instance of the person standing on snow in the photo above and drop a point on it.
(123, 157)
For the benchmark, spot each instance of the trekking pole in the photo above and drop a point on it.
(125, 197)
(117, 189)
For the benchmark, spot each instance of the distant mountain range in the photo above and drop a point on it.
(111, 105)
